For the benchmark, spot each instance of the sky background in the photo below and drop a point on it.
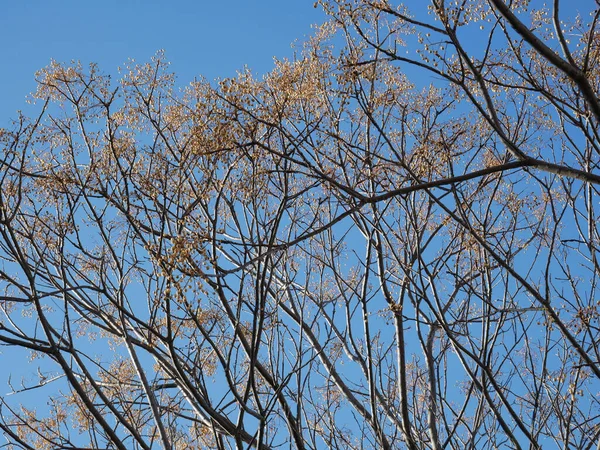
(212, 39)
(201, 38)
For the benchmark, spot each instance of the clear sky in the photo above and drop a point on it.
(208, 38)
(201, 38)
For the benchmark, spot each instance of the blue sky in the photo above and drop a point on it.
(201, 38)
(208, 38)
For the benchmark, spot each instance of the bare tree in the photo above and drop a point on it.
(388, 242)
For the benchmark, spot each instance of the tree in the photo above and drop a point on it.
(390, 241)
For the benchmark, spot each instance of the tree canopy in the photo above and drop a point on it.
(390, 241)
